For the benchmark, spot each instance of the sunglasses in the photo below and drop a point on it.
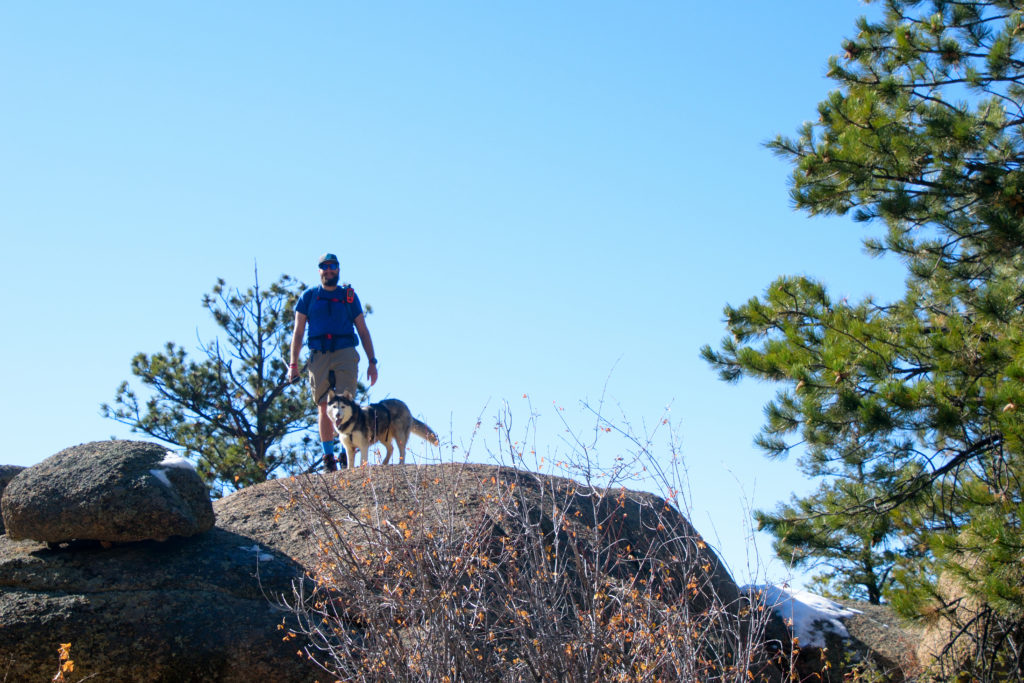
(328, 266)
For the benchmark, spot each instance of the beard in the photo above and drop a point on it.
(330, 280)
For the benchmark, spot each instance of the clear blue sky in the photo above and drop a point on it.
(550, 199)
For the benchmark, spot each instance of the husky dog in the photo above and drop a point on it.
(383, 422)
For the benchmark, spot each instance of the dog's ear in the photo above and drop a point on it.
(346, 394)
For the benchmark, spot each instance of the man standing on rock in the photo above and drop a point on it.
(335, 315)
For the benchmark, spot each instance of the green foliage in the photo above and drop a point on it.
(232, 410)
(907, 410)
(863, 554)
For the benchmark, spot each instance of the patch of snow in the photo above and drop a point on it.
(162, 476)
(810, 615)
(172, 459)
(260, 555)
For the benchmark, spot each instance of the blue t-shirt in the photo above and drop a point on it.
(330, 317)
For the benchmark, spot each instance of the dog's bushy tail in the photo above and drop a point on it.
(421, 430)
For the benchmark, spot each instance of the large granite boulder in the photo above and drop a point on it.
(482, 505)
(111, 491)
(7, 472)
(203, 608)
(278, 513)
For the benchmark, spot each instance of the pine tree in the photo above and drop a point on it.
(862, 555)
(232, 411)
(910, 411)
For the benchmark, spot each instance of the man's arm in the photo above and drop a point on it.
(300, 329)
(364, 337)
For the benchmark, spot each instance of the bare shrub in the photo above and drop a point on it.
(965, 633)
(468, 572)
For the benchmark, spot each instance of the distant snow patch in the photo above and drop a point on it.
(171, 459)
(258, 551)
(811, 615)
(162, 476)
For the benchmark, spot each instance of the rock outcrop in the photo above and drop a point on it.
(272, 513)
(112, 491)
(825, 640)
(188, 609)
(877, 646)
(7, 472)
(881, 644)
(207, 607)
(635, 538)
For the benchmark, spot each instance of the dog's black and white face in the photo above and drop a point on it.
(341, 408)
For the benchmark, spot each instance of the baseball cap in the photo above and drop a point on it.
(327, 257)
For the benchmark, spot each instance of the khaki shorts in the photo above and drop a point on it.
(344, 362)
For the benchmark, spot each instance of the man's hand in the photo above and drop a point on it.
(293, 373)
(371, 373)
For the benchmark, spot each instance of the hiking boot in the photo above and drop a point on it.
(329, 464)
